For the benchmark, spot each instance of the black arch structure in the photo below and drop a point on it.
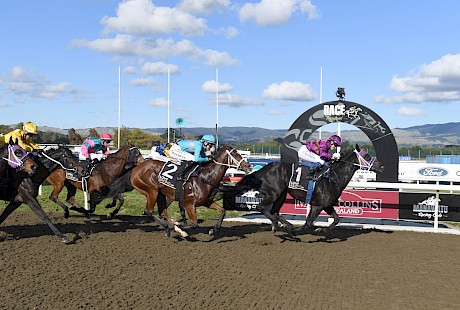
(354, 114)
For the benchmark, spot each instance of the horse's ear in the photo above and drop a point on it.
(357, 147)
(12, 142)
(129, 143)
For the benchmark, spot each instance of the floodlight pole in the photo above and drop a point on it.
(119, 108)
(217, 106)
(168, 108)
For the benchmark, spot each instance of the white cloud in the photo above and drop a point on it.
(159, 102)
(126, 45)
(23, 82)
(237, 101)
(159, 68)
(142, 82)
(142, 17)
(274, 112)
(276, 12)
(436, 82)
(294, 91)
(202, 6)
(210, 87)
(129, 70)
(408, 111)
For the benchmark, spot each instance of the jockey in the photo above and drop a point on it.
(95, 147)
(24, 137)
(317, 152)
(192, 151)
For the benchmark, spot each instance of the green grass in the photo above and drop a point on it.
(134, 205)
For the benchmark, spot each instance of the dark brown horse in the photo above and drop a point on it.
(103, 174)
(151, 180)
(27, 191)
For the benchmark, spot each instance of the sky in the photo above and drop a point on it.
(78, 63)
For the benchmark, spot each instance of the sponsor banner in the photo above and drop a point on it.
(246, 201)
(421, 206)
(355, 203)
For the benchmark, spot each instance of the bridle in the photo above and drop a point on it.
(13, 160)
(363, 163)
(232, 162)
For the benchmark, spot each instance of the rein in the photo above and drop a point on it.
(58, 162)
(234, 164)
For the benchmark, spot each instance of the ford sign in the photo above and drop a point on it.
(433, 172)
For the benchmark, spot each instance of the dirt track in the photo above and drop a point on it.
(127, 263)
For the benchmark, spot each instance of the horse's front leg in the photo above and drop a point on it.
(332, 213)
(37, 209)
(217, 207)
(54, 197)
(8, 210)
(312, 216)
(71, 192)
(121, 201)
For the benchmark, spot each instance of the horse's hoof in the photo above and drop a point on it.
(66, 214)
(167, 232)
(109, 216)
(211, 232)
(65, 240)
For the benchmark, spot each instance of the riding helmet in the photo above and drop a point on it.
(106, 136)
(209, 139)
(30, 127)
(336, 139)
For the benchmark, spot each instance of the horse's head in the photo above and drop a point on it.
(134, 158)
(363, 160)
(232, 159)
(18, 158)
(61, 157)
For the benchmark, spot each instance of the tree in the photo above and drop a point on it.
(93, 133)
(137, 137)
(74, 137)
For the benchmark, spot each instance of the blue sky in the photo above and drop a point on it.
(59, 61)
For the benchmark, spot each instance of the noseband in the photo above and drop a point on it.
(364, 164)
(13, 160)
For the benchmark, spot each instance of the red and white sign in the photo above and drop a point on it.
(355, 203)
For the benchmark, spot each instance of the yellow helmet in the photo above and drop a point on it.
(30, 127)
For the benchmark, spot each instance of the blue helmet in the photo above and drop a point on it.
(209, 139)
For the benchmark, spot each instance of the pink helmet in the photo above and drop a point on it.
(106, 136)
(336, 139)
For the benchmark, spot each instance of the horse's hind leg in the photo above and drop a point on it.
(71, 192)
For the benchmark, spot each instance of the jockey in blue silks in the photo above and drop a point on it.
(193, 150)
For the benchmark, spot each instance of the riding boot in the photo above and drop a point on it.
(320, 172)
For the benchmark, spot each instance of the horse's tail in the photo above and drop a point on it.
(119, 186)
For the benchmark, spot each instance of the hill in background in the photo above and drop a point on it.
(430, 135)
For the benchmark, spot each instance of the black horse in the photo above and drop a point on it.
(27, 190)
(272, 181)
